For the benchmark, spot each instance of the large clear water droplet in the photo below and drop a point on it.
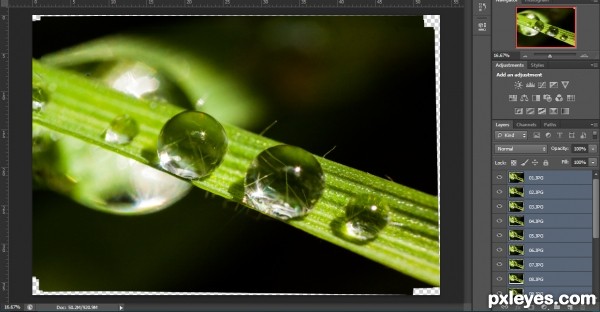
(552, 31)
(529, 31)
(136, 79)
(539, 25)
(113, 183)
(284, 182)
(365, 217)
(116, 184)
(144, 190)
(192, 145)
(122, 130)
(39, 98)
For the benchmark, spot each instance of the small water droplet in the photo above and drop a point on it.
(39, 97)
(284, 182)
(539, 25)
(552, 31)
(365, 217)
(122, 130)
(564, 37)
(192, 145)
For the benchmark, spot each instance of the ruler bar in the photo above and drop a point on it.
(324, 3)
(167, 3)
(90, 3)
(203, 3)
(239, 3)
(4, 154)
(51, 3)
(129, 3)
(279, 3)
(243, 3)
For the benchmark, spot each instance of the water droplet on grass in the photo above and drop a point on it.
(539, 25)
(136, 79)
(145, 190)
(39, 98)
(116, 184)
(365, 217)
(122, 130)
(529, 31)
(284, 182)
(564, 37)
(552, 31)
(192, 145)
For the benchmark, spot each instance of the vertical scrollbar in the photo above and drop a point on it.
(596, 204)
(4, 142)
(595, 230)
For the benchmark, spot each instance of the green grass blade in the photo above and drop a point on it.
(82, 108)
(227, 100)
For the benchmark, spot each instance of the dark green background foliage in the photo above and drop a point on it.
(362, 84)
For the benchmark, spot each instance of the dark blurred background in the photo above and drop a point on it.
(365, 85)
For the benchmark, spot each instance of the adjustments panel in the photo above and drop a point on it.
(545, 116)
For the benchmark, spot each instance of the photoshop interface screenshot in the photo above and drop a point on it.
(279, 155)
